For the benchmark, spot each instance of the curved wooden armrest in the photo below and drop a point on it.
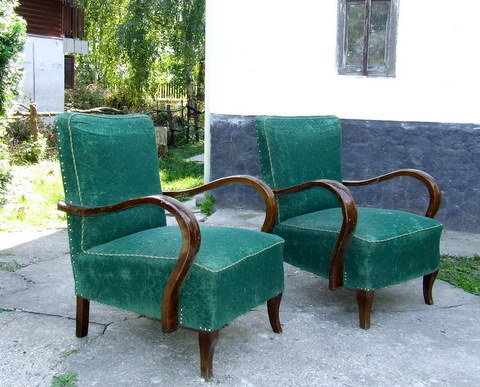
(190, 245)
(429, 181)
(349, 222)
(264, 190)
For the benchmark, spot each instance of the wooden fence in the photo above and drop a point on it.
(188, 118)
(171, 92)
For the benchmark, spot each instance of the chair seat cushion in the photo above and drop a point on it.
(234, 271)
(388, 246)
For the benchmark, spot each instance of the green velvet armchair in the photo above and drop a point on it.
(325, 232)
(124, 255)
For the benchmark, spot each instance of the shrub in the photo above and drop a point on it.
(85, 97)
(22, 149)
(5, 173)
(12, 40)
(30, 152)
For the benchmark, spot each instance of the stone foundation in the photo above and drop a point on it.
(449, 152)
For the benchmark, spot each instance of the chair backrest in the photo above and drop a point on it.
(294, 150)
(105, 160)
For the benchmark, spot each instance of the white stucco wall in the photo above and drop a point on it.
(44, 76)
(279, 57)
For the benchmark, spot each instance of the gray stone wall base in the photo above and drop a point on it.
(234, 152)
(449, 152)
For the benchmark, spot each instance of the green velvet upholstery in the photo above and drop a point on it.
(124, 259)
(388, 246)
(298, 149)
(105, 160)
(234, 271)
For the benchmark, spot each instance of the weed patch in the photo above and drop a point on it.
(11, 266)
(67, 380)
(68, 353)
(462, 272)
(207, 206)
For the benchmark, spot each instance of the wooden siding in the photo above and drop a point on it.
(44, 17)
(73, 22)
(58, 18)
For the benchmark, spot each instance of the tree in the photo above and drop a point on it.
(136, 45)
(12, 40)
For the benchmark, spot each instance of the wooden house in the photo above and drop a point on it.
(55, 34)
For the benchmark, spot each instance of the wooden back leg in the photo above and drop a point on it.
(365, 302)
(428, 281)
(273, 306)
(83, 314)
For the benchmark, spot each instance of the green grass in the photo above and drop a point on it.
(208, 205)
(462, 272)
(32, 198)
(36, 189)
(177, 173)
(67, 380)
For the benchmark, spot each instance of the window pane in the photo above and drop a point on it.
(355, 23)
(378, 33)
(382, 33)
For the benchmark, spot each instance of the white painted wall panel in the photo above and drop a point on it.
(44, 79)
(279, 57)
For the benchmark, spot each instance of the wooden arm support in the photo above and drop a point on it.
(264, 190)
(429, 181)
(190, 245)
(349, 222)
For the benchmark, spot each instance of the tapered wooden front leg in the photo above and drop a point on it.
(273, 306)
(428, 281)
(207, 342)
(83, 314)
(365, 302)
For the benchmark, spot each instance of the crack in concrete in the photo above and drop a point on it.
(25, 278)
(21, 310)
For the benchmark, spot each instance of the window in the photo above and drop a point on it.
(367, 34)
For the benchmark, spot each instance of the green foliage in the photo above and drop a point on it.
(30, 152)
(138, 45)
(67, 380)
(462, 272)
(207, 206)
(12, 40)
(86, 97)
(106, 64)
(137, 35)
(5, 173)
(22, 149)
(11, 266)
(32, 198)
(177, 173)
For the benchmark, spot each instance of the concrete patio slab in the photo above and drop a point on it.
(409, 343)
